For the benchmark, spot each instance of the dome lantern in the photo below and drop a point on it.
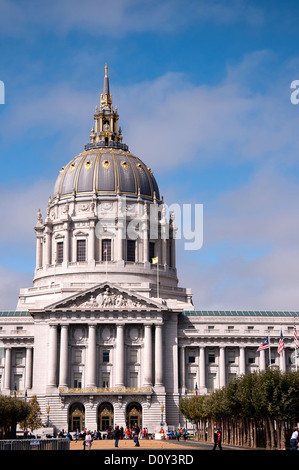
(105, 133)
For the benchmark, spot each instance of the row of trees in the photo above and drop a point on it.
(255, 410)
(15, 411)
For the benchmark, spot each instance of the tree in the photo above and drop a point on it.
(33, 421)
(257, 409)
(12, 411)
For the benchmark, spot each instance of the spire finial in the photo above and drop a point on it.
(106, 70)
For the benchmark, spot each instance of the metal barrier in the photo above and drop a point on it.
(35, 444)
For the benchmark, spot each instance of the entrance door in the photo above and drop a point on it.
(105, 417)
(134, 415)
(76, 417)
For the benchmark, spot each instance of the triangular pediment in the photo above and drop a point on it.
(107, 296)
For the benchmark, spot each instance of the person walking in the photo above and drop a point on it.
(136, 432)
(116, 435)
(294, 439)
(88, 441)
(217, 439)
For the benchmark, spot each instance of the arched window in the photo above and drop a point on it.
(76, 417)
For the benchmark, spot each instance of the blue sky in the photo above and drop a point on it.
(203, 92)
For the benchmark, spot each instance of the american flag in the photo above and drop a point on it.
(296, 338)
(280, 344)
(264, 344)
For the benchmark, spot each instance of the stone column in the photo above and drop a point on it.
(202, 368)
(52, 371)
(262, 360)
(222, 367)
(148, 355)
(39, 250)
(282, 361)
(242, 367)
(48, 246)
(183, 368)
(159, 355)
(28, 370)
(66, 246)
(63, 372)
(7, 370)
(91, 356)
(119, 356)
(91, 241)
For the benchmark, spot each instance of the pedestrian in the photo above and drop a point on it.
(88, 441)
(116, 435)
(136, 432)
(217, 439)
(294, 439)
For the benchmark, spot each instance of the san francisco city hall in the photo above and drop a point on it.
(104, 336)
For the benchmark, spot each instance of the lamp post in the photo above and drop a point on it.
(48, 413)
(25, 418)
(162, 411)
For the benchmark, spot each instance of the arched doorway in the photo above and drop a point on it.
(76, 417)
(105, 417)
(134, 415)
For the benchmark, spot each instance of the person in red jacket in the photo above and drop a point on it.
(217, 439)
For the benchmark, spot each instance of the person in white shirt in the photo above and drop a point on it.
(294, 439)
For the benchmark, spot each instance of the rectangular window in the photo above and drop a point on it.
(59, 253)
(191, 358)
(231, 357)
(81, 250)
(18, 381)
(211, 357)
(133, 356)
(251, 357)
(133, 379)
(78, 380)
(105, 380)
(151, 251)
(106, 356)
(78, 356)
(106, 250)
(131, 250)
(231, 377)
(19, 358)
(211, 381)
(191, 381)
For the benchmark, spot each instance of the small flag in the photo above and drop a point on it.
(296, 338)
(264, 344)
(155, 260)
(280, 344)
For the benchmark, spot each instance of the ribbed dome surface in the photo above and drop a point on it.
(106, 172)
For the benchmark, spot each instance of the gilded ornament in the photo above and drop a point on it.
(88, 164)
(106, 164)
(125, 165)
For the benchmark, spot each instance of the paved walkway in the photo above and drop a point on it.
(129, 444)
(125, 444)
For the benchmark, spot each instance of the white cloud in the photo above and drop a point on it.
(256, 266)
(120, 17)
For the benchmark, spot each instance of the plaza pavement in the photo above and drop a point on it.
(145, 444)
(129, 444)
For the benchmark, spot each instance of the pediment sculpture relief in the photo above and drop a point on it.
(108, 298)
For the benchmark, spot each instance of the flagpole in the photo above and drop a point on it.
(269, 351)
(295, 348)
(158, 289)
